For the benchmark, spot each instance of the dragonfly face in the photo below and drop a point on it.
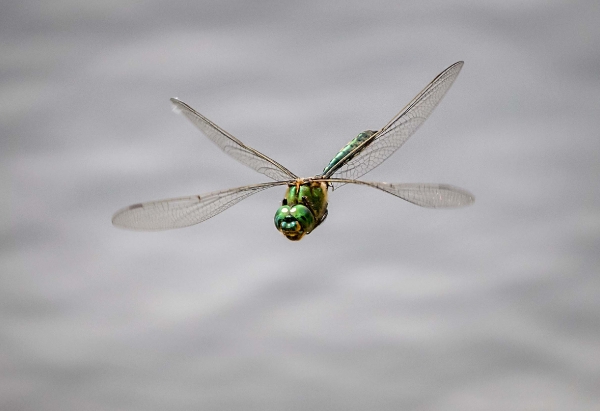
(294, 222)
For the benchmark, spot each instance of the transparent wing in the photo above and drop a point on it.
(184, 211)
(234, 147)
(424, 195)
(375, 150)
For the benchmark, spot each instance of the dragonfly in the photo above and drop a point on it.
(304, 206)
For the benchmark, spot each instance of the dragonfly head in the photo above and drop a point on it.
(294, 222)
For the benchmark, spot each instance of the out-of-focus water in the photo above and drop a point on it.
(387, 306)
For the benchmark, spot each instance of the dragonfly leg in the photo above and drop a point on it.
(322, 218)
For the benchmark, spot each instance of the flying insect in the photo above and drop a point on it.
(304, 206)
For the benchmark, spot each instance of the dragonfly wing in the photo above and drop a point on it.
(184, 211)
(375, 150)
(424, 195)
(234, 147)
(428, 195)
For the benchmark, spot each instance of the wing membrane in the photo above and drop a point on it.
(234, 147)
(184, 211)
(424, 195)
(375, 150)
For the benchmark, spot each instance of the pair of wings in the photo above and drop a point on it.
(186, 211)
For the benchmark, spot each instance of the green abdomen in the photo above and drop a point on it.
(343, 153)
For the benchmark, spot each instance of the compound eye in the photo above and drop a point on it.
(283, 216)
(304, 216)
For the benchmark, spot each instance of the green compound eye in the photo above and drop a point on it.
(294, 222)
(280, 216)
(304, 216)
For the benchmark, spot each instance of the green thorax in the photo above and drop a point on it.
(312, 195)
(348, 148)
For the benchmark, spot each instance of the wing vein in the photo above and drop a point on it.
(376, 149)
(234, 147)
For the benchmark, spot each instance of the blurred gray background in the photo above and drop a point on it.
(387, 306)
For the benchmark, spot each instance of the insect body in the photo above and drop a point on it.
(302, 210)
(304, 206)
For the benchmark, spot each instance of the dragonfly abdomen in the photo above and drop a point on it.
(347, 149)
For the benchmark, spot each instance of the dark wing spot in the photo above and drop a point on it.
(133, 207)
